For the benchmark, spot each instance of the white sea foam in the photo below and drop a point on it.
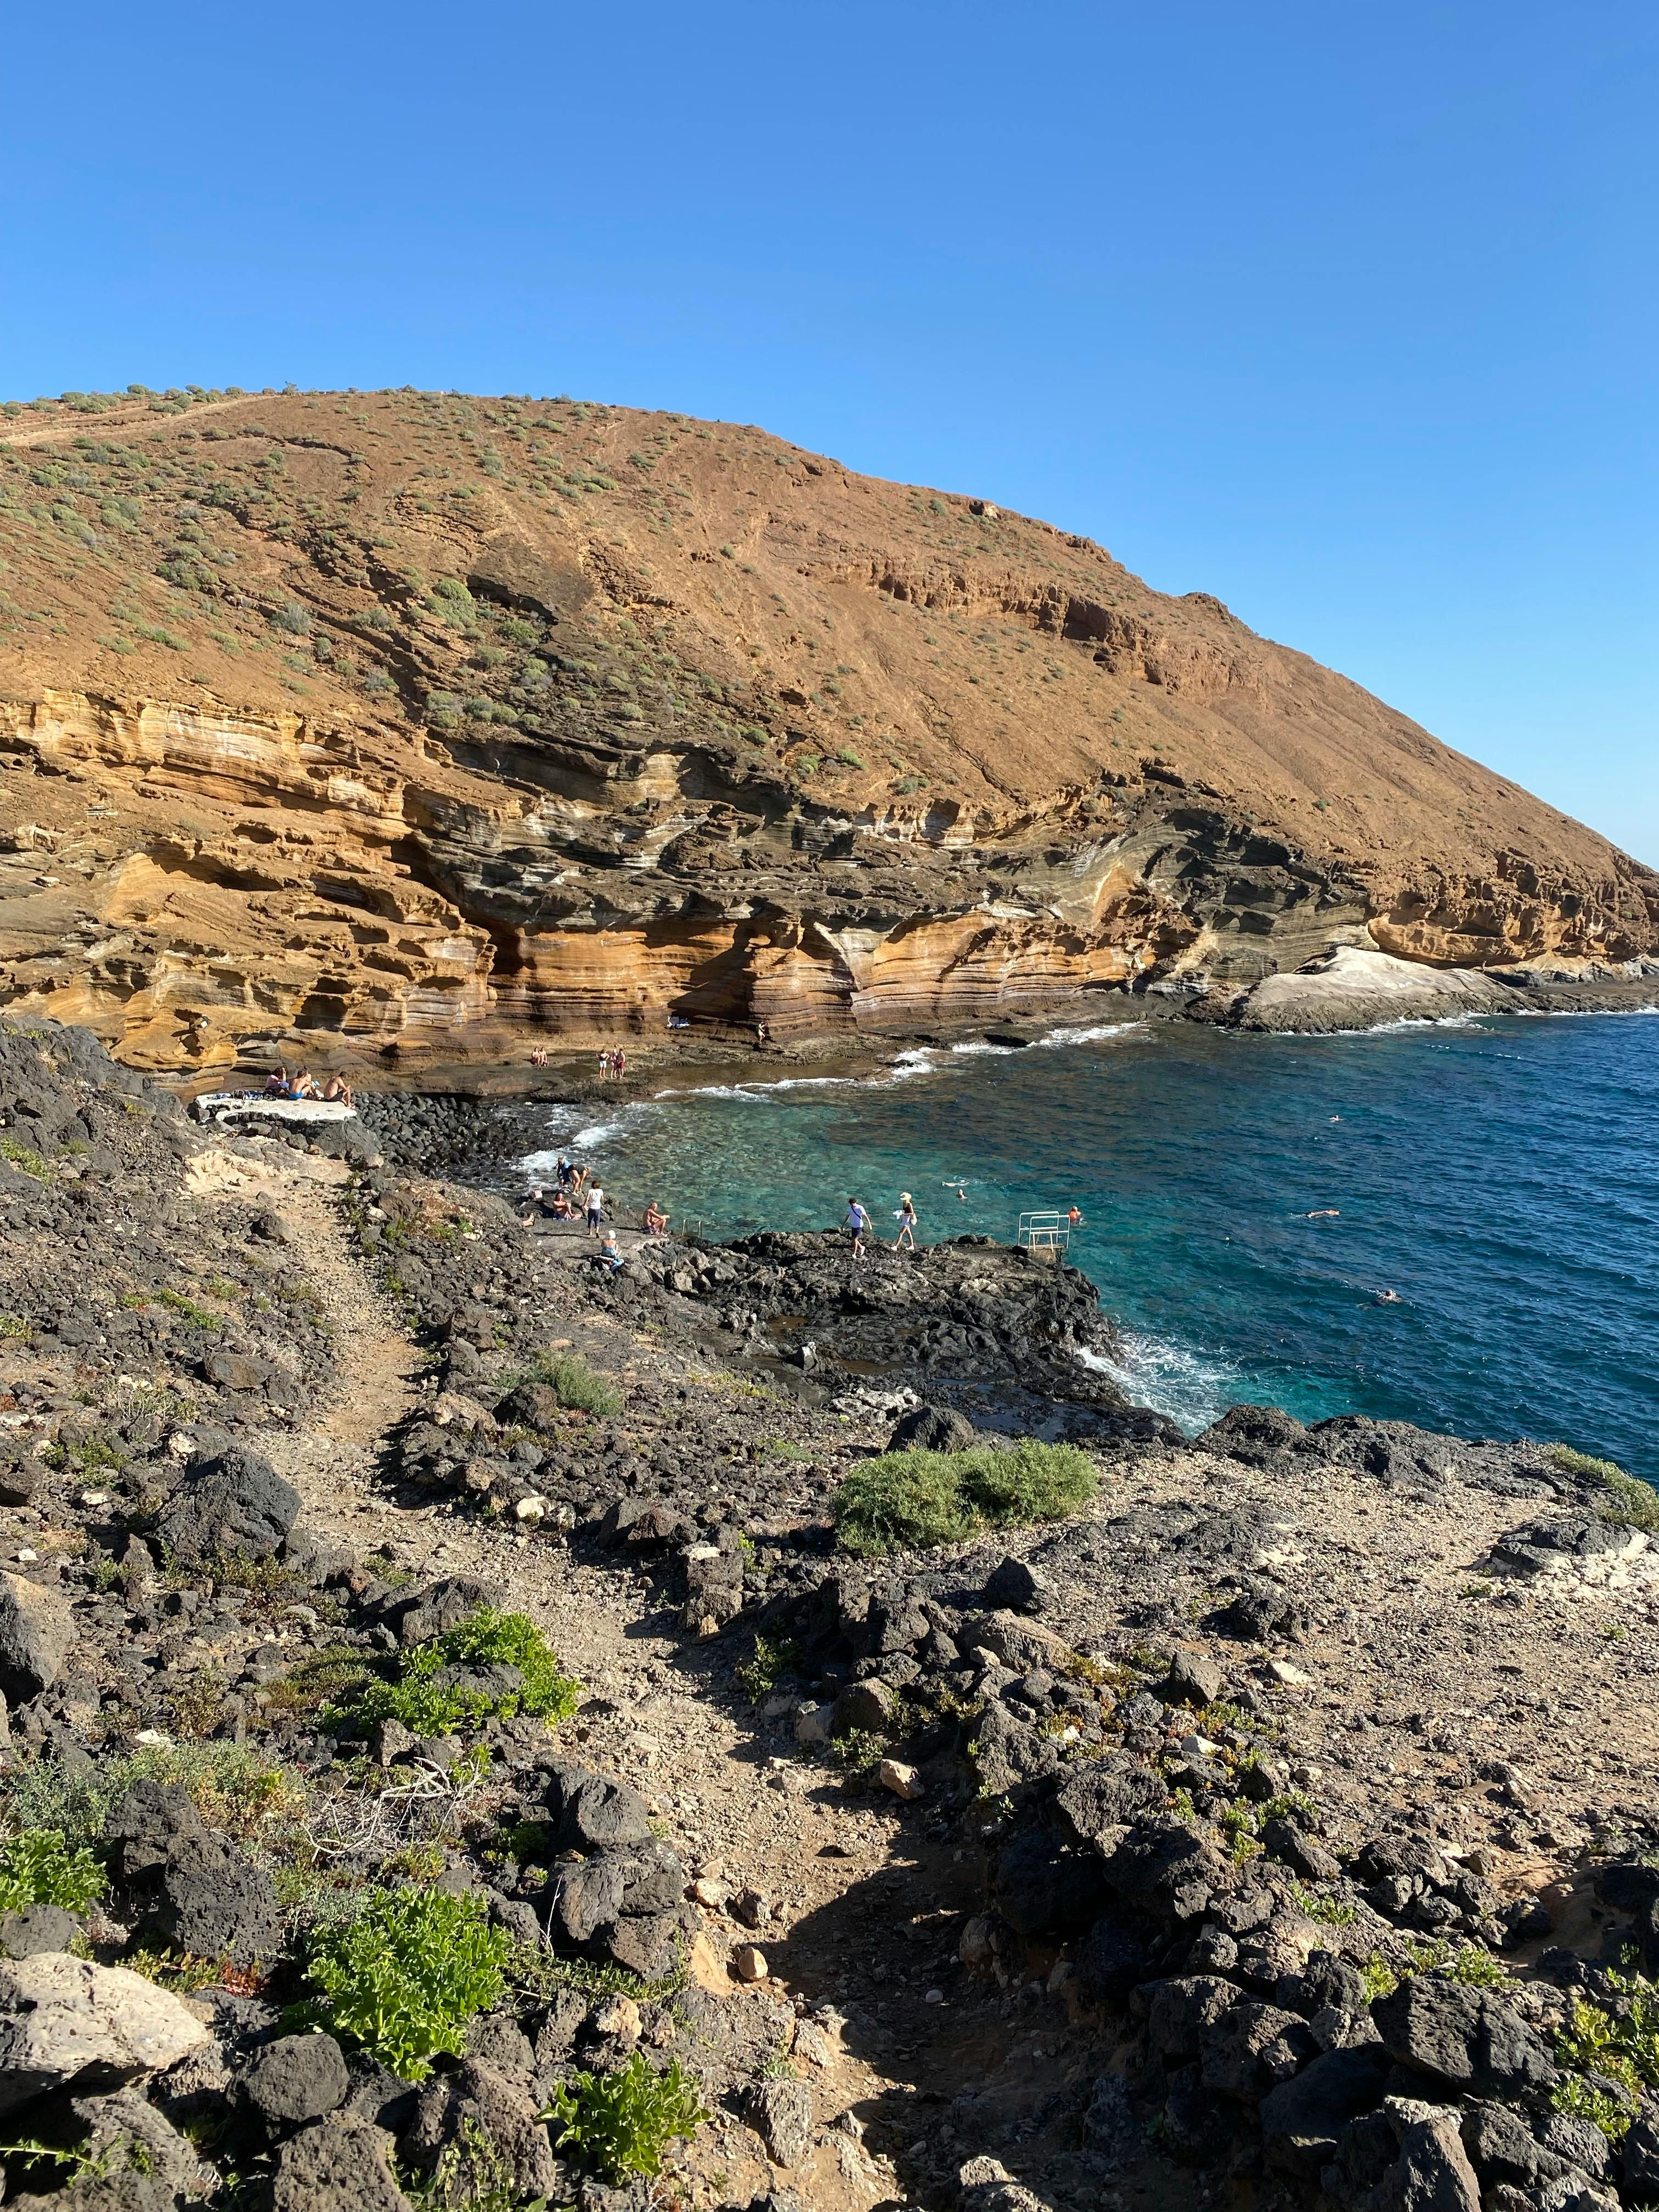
(1191, 1388)
(1058, 1038)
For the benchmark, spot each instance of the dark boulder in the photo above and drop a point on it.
(592, 1812)
(297, 2078)
(1253, 1434)
(37, 1632)
(1302, 2119)
(1109, 1962)
(1107, 1795)
(232, 1506)
(1467, 2038)
(1043, 1887)
(932, 1428)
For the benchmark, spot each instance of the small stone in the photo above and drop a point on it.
(933, 1997)
(90, 1498)
(814, 1725)
(752, 1907)
(748, 1963)
(713, 1896)
(781, 2113)
(1291, 1677)
(903, 1781)
(530, 1509)
(297, 2078)
(619, 2017)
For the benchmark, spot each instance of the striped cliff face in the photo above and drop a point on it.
(439, 722)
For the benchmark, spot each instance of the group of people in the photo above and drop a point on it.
(613, 1063)
(575, 1196)
(302, 1083)
(858, 1220)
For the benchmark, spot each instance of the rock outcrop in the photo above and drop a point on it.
(435, 724)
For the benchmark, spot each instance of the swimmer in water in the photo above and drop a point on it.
(1386, 1298)
(1323, 1214)
(960, 1188)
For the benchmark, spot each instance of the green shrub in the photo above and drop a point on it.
(405, 1975)
(1629, 1503)
(621, 2123)
(1623, 2044)
(762, 1673)
(1594, 2102)
(431, 1706)
(574, 1384)
(37, 1868)
(913, 1500)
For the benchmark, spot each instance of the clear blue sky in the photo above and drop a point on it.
(1346, 315)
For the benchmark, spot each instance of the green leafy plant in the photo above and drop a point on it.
(175, 1302)
(858, 1751)
(1618, 2040)
(769, 1664)
(1328, 1911)
(430, 1697)
(406, 1972)
(1379, 1978)
(24, 1156)
(914, 1500)
(1593, 2101)
(38, 1868)
(574, 1384)
(621, 2123)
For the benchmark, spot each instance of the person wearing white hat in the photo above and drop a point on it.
(906, 1218)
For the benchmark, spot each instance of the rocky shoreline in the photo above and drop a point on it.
(1275, 1826)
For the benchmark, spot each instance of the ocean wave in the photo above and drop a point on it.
(1059, 1039)
(570, 1138)
(1191, 1388)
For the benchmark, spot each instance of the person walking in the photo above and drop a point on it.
(907, 1221)
(595, 1208)
(858, 1222)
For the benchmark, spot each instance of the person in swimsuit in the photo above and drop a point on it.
(907, 1221)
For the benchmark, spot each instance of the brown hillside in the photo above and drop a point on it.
(429, 717)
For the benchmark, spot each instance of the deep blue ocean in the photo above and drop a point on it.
(1246, 1199)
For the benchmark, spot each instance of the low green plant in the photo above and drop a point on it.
(1328, 1911)
(429, 1701)
(406, 1972)
(1620, 2039)
(235, 1787)
(914, 1500)
(24, 1156)
(576, 1384)
(1596, 2102)
(761, 1673)
(1467, 1963)
(621, 2123)
(858, 1751)
(541, 1973)
(1379, 1978)
(1630, 1503)
(175, 1302)
(38, 1868)
(13, 1324)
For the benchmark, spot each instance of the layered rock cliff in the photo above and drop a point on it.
(439, 722)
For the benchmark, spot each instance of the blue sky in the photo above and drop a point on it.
(1348, 316)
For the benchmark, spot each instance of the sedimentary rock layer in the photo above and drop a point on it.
(437, 724)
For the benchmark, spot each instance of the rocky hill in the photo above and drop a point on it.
(440, 722)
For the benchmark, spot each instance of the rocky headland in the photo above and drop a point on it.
(482, 1729)
(417, 731)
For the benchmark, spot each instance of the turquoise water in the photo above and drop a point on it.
(1501, 1176)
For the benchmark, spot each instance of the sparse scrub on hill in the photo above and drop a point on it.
(1630, 1502)
(576, 1384)
(914, 1500)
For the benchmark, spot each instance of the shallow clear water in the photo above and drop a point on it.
(1501, 1176)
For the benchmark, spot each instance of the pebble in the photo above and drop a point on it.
(749, 1963)
(903, 1781)
(1292, 1677)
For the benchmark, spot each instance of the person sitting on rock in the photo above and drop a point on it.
(338, 1092)
(276, 1084)
(609, 1252)
(306, 1086)
(654, 1220)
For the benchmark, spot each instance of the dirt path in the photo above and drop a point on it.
(838, 1877)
